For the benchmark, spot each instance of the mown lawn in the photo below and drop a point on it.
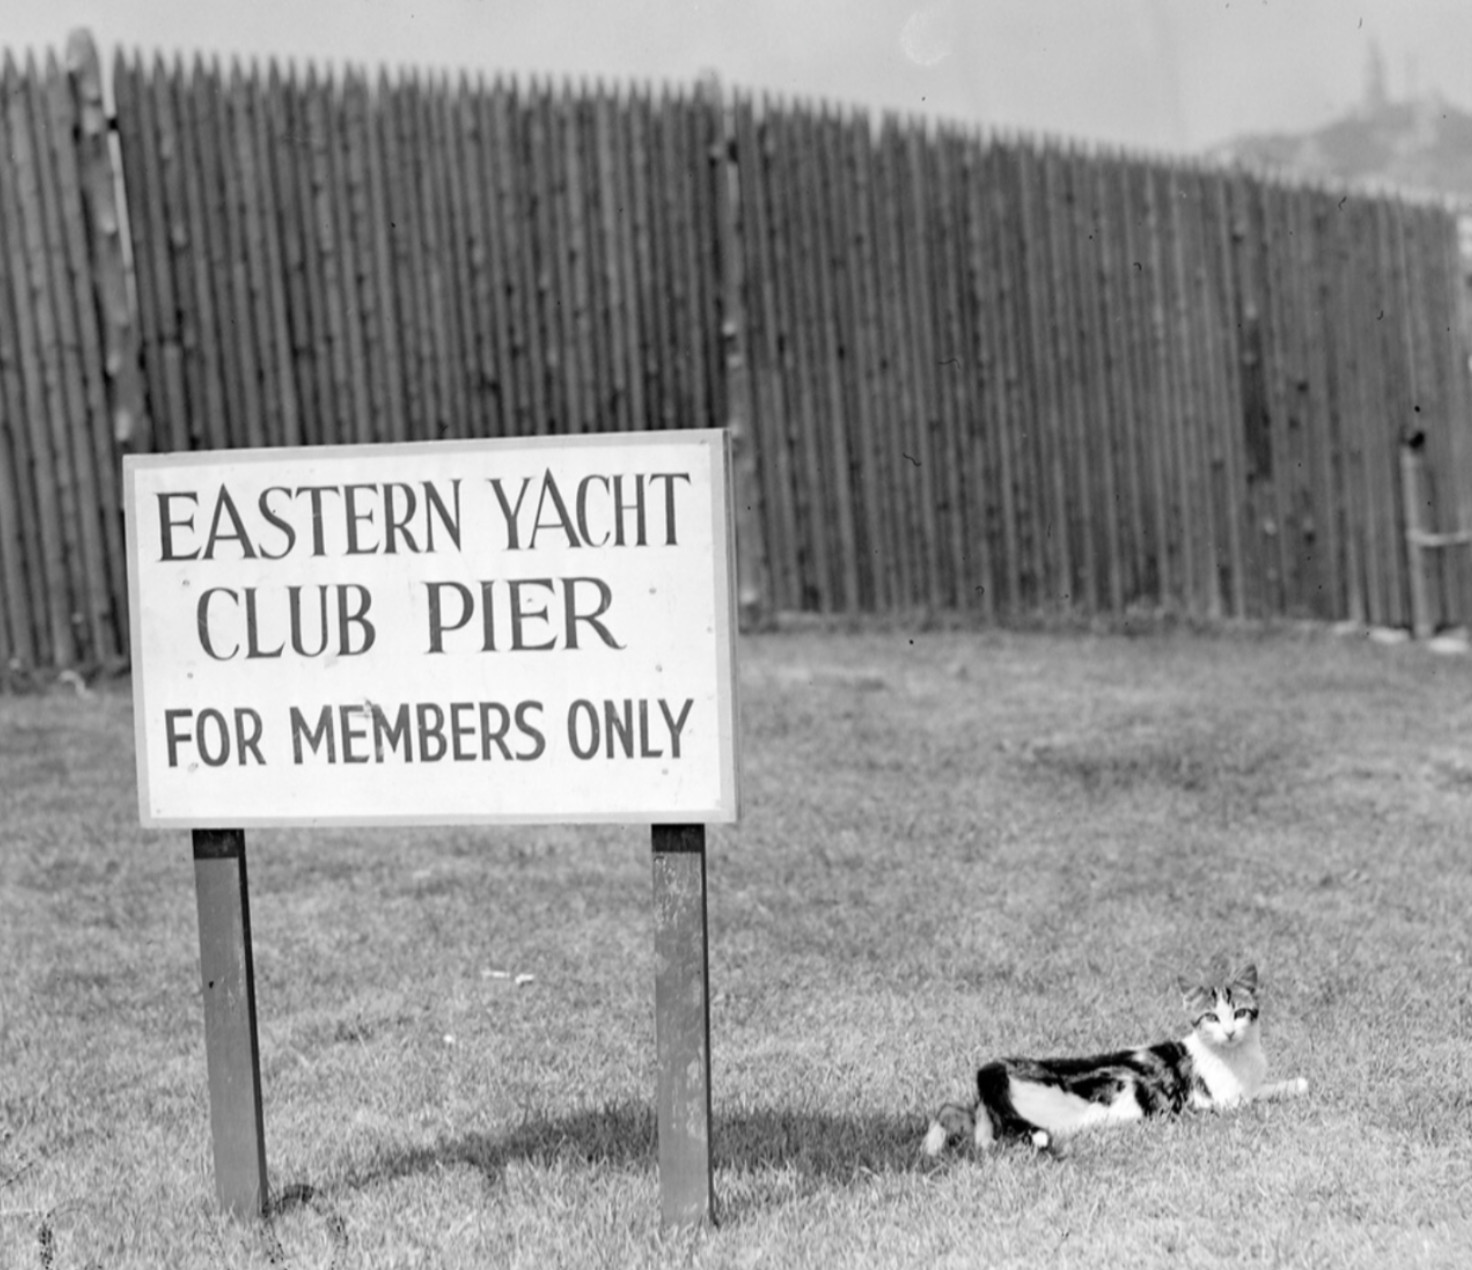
(953, 844)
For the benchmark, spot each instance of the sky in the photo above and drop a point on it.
(1160, 75)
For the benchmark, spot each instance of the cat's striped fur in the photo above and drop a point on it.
(1219, 1064)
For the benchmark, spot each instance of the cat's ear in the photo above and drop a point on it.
(1193, 996)
(1246, 978)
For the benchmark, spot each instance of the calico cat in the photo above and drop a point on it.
(1218, 1065)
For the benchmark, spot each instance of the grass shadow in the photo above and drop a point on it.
(814, 1150)
(818, 1145)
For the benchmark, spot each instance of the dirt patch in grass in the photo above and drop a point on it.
(1229, 765)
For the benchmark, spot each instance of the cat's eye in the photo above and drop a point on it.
(1242, 1013)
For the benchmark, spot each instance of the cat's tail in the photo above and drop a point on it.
(951, 1122)
(986, 1120)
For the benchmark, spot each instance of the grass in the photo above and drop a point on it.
(953, 844)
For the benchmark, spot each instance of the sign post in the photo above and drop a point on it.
(526, 631)
(232, 1050)
(682, 1026)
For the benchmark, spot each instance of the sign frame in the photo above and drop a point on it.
(715, 441)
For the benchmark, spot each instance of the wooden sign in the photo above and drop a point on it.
(528, 630)
(537, 630)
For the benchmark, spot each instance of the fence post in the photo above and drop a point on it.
(101, 197)
(1420, 540)
(1410, 485)
(751, 559)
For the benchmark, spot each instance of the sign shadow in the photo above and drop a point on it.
(823, 1150)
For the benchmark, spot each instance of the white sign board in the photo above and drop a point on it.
(445, 632)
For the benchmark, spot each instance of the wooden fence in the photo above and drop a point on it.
(68, 374)
(969, 373)
(997, 376)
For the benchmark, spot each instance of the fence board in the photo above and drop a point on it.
(189, 265)
(950, 369)
(148, 217)
(1111, 392)
(1445, 274)
(493, 286)
(552, 306)
(1388, 423)
(653, 316)
(68, 283)
(644, 311)
(108, 352)
(1328, 599)
(1197, 403)
(828, 320)
(1186, 520)
(792, 225)
(702, 328)
(1297, 528)
(986, 482)
(661, 311)
(876, 543)
(290, 158)
(38, 371)
(907, 457)
(18, 639)
(374, 344)
(458, 365)
(1072, 475)
(764, 309)
(355, 306)
(1341, 295)
(610, 190)
(1004, 318)
(20, 569)
(917, 194)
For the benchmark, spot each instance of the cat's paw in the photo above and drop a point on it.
(1050, 1144)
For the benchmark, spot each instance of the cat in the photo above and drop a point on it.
(1219, 1065)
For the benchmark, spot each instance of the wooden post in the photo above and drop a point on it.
(731, 224)
(1410, 484)
(231, 1047)
(1419, 539)
(99, 195)
(682, 1026)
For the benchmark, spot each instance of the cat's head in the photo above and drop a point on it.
(1224, 1011)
